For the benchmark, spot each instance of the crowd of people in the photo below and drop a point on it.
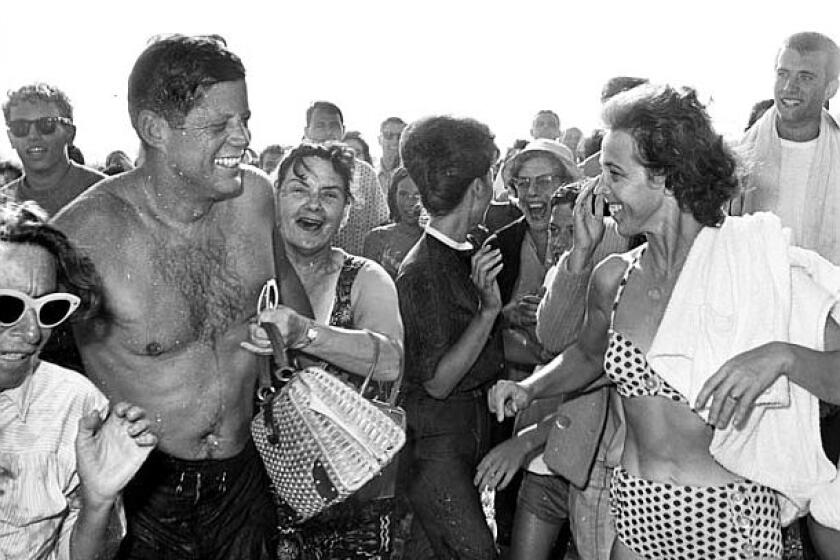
(616, 346)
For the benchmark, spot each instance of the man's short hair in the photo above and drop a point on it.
(444, 155)
(38, 92)
(326, 107)
(392, 120)
(811, 41)
(548, 112)
(172, 75)
(618, 84)
(25, 223)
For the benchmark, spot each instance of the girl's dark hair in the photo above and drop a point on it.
(674, 138)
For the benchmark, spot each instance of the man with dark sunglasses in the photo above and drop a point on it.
(182, 244)
(39, 122)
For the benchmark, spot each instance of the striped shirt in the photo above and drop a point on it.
(39, 501)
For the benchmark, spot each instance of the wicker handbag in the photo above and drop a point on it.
(320, 440)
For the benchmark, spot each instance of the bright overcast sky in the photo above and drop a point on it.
(499, 62)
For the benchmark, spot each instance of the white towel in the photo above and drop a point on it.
(735, 292)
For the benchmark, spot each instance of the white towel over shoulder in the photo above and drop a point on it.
(742, 285)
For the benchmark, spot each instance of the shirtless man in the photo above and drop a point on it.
(183, 245)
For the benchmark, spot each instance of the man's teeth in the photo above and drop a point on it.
(14, 356)
(791, 102)
(230, 162)
(615, 208)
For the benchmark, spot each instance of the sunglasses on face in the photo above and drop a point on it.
(50, 309)
(391, 135)
(44, 125)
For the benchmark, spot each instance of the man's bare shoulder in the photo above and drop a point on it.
(257, 199)
(102, 211)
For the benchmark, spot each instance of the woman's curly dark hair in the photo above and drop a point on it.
(674, 137)
(339, 155)
(26, 223)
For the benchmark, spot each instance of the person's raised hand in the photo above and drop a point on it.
(486, 265)
(109, 452)
(589, 225)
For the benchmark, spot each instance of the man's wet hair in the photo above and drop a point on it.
(444, 155)
(810, 42)
(173, 74)
(39, 91)
(326, 107)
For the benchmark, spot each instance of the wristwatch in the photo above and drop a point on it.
(308, 337)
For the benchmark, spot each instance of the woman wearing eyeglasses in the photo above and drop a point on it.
(355, 306)
(64, 457)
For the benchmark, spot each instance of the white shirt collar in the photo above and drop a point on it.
(448, 241)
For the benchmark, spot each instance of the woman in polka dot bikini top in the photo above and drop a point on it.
(667, 175)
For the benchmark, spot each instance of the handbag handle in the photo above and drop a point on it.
(395, 388)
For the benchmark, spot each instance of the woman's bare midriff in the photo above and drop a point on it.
(668, 442)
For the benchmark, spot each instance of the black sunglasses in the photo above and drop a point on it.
(44, 125)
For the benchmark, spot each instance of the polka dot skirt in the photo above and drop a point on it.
(667, 521)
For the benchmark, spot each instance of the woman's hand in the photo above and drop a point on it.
(738, 383)
(522, 312)
(291, 324)
(589, 226)
(506, 398)
(110, 452)
(486, 265)
(499, 466)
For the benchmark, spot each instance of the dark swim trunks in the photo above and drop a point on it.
(203, 509)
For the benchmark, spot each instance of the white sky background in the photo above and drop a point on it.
(499, 62)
